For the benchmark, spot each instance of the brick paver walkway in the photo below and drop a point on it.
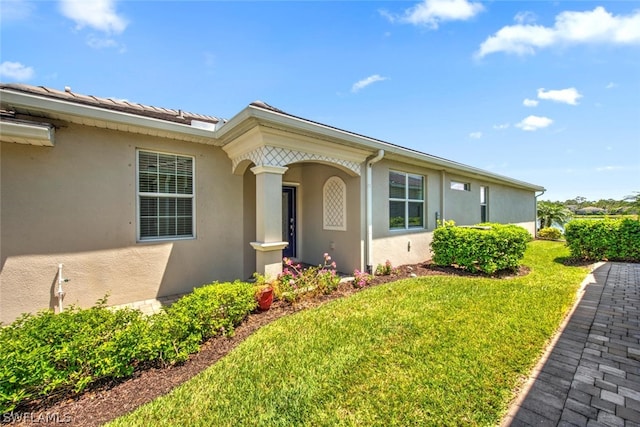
(591, 374)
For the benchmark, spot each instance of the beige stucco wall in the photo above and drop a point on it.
(249, 223)
(463, 207)
(402, 246)
(512, 205)
(75, 204)
(343, 246)
(505, 205)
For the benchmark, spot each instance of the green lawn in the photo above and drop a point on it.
(425, 351)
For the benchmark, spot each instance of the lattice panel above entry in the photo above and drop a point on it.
(277, 156)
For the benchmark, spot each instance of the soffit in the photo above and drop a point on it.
(53, 108)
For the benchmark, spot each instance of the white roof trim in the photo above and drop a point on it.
(96, 116)
(26, 133)
(246, 119)
(395, 152)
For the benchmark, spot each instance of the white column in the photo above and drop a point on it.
(269, 244)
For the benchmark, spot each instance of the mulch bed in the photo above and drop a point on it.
(105, 402)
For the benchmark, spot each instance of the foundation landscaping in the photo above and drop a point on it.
(427, 344)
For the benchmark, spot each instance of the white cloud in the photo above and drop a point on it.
(611, 85)
(16, 71)
(595, 26)
(567, 96)
(15, 10)
(97, 14)
(502, 126)
(366, 82)
(475, 135)
(530, 102)
(525, 17)
(431, 13)
(100, 43)
(608, 168)
(533, 123)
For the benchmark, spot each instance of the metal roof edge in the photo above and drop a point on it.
(35, 102)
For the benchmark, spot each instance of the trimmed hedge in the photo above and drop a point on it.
(207, 311)
(47, 354)
(604, 240)
(486, 248)
(549, 233)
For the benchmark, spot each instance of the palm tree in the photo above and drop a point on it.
(634, 199)
(550, 213)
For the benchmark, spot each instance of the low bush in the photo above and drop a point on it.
(549, 233)
(361, 279)
(47, 354)
(297, 281)
(384, 270)
(484, 248)
(602, 240)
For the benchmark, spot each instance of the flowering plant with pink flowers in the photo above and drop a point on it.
(361, 278)
(296, 281)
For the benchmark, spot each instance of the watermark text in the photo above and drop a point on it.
(36, 417)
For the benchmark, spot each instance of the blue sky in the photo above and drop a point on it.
(545, 92)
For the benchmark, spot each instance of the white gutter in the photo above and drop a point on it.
(535, 208)
(360, 141)
(369, 260)
(443, 190)
(26, 133)
(78, 113)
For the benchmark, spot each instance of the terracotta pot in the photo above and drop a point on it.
(265, 298)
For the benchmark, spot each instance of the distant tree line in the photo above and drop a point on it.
(558, 213)
(579, 205)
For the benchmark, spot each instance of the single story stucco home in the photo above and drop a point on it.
(140, 202)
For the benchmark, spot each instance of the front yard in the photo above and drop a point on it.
(434, 350)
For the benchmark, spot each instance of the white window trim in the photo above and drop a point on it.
(407, 200)
(455, 185)
(486, 201)
(139, 194)
(325, 224)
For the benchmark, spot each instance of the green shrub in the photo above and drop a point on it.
(606, 239)
(207, 311)
(296, 281)
(45, 353)
(486, 248)
(549, 233)
(384, 270)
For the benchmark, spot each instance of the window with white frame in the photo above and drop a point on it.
(484, 192)
(460, 186)
(334, 198)
(165, 196)
(406, 201)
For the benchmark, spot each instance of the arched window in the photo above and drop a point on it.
(334, 202)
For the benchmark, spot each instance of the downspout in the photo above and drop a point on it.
(443, 187)
(535, 226)
(369, 208)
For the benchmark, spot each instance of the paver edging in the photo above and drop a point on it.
(526, 386)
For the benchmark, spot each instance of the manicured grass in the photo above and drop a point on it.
(425, 351)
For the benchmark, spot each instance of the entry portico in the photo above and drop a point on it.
(271, 143)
